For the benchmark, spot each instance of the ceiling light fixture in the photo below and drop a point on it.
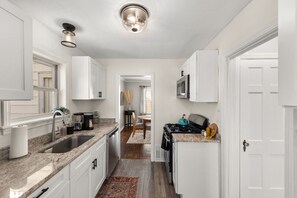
(68, 38)
(134, 17)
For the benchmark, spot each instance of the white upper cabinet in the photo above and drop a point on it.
(88, 79)
(287, 33)
(204, 76)
(101, 82)
(16, 53)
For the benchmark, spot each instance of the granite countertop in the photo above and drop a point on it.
(179, 137)
(21, 177)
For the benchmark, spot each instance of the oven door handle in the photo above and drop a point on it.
(166, 138)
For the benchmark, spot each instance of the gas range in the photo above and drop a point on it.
(177, 128)
(195, 125)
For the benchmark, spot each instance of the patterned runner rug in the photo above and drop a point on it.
(119, 187)
(138, 137)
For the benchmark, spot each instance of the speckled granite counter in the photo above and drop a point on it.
(179, 137)
(20, 177)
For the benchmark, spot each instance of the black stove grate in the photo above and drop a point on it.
(177, 128)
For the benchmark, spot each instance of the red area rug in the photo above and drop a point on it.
(119, 187)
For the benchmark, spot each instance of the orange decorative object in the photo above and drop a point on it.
(213, 131)
(208, 132)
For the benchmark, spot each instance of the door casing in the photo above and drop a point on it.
(230, 187)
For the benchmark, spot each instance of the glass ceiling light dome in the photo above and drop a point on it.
(134, 17)
(68, 39)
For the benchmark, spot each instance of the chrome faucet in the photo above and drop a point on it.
(56, 112)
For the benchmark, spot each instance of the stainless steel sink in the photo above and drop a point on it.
(67, 144)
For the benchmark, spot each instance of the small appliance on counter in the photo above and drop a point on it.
(78, 119)
(183, 121)
(88, 121)
(95, 117)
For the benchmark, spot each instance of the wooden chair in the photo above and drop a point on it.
(136, 126)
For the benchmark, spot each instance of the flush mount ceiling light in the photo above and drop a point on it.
(68, 38)
(134, 17)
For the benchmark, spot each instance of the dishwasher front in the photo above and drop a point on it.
(112, 156)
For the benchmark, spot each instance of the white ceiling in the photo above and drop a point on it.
(176, 28)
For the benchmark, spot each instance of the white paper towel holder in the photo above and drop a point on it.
(18, 141)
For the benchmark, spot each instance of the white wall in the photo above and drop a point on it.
(255, 18)
(252, 20)
(268, 47)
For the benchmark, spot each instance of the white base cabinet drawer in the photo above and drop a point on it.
(57, 186)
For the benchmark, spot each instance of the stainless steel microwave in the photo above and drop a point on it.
(183, 87)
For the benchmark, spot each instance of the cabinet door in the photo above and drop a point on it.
(204, 76)
(81, 66)
(174, 167)
(193, 77)
(16, 53)
(102, 82)
(94, 80)
(88, 79)
(80, 172)
(80, 185)
(98, 172)
(185, 69)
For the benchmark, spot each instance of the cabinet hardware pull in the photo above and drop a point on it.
(42, 192)
(94, 166)
(100, 94)
(96, 163)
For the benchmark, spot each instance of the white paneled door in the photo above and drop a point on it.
(261, 130)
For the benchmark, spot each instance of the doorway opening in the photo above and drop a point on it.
(257, 133)
(135, 114)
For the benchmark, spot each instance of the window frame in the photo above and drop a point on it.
(5, 105)
(145, 101)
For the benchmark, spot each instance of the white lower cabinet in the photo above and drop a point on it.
(98, 171)
(88, 171)
(174, 170)
(80, 176)
(81, 179)
(196, 169)
(57, 186)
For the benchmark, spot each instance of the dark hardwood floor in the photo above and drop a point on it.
(133, 151)
(135, 162)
